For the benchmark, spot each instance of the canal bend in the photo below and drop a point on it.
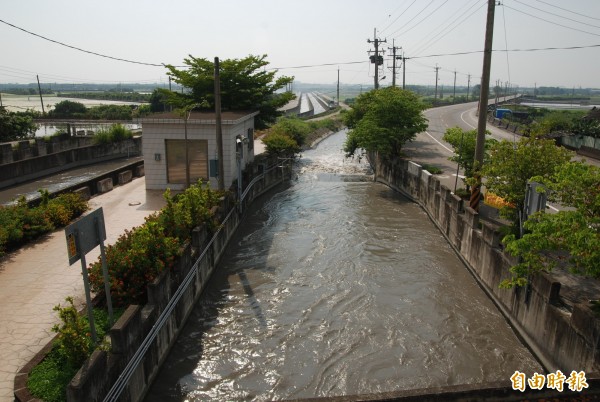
(333, 286)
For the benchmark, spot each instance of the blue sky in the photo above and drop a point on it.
(301, 33)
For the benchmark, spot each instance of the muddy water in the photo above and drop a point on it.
(338, 286)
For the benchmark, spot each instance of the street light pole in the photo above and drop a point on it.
(187, 151)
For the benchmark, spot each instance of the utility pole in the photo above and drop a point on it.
(483, 102)
(338, 87)
(376, 59)
(394, 58)
(454, 90)
(404, 58)
(40, 91)
(468, 86)
(221, 178)
(436, 82)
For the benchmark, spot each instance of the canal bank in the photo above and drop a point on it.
(561, 336)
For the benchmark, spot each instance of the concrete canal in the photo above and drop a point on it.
(338, 286)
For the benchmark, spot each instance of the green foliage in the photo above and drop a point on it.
(141, 254)
(588, 127)
(280, 144)
(512, 164)
(571, 236)
(73, 341)
(134, 261)
(15, 125)
(116, 133)
(20, 224)
(463, 143)
(555, 121)
(294, 128)
(48, 380)
(384, 120)
(245, 85)
(158, 101)
(432, 169)
(68, 110)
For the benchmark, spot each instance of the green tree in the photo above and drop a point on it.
(158, 101)
(512, 164)
(68, 110)
(15, 125)
(571, 236)
(280, 144)
(292, 127)
(463, 142)
(383, 120)
(245, 85)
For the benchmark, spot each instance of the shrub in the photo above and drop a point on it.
(116, 133)
(280, 144)
(73, 342)
(134, 261)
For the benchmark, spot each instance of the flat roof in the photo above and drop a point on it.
(228, 117)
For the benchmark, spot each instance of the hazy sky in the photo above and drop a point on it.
(301, 33)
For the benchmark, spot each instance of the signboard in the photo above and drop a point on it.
(85, 234)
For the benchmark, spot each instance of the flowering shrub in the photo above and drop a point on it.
(20, 223)
(141, 254)
(136, 259)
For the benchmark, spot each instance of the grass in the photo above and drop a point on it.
(432, 169)
(48, 380)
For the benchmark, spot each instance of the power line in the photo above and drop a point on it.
(557, 15)
(506, 43)
(83, 50)
(570, 11)
(443, 33)
(423, 19)
(509, 50)
(411, 20)
(551, 22)
(401, 14)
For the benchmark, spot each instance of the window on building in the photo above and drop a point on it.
(198, 160)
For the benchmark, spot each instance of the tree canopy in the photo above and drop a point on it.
(571, 236)
(383, 120)
(463, 142)
(15, 125)
(512, 164)
(245, 85)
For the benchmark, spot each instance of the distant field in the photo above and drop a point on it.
(15, 103)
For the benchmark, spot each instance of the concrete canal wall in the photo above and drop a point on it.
(561, 336)
(30, 161)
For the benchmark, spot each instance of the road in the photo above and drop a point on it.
(429, 148)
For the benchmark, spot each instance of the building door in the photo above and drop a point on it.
(198, 160)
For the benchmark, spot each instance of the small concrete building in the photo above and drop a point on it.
(164, 146)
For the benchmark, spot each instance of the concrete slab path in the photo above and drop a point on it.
(37, 277)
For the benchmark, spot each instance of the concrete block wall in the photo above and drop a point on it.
(561, 339)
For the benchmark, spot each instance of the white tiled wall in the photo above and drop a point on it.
(153, 142)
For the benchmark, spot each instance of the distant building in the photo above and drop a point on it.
(164, 145)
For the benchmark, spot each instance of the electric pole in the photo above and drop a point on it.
(376, 59)
(468, 86)
(394, 58)
(221, 171)
(436, 82)
(338, 87)
(454, 90)
(483, 103)
(40, 91)
(404, 58)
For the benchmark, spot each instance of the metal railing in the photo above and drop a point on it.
(119, 386)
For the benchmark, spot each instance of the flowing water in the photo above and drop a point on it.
(338, 286)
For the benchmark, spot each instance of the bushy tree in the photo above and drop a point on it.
(383, 120)
(463, 142)
(512, 164)
(245, 85)
(68, 110)
(15, 125)
(571, 236)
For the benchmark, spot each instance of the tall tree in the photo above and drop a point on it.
(245, 85)
(383, 120)
(571, 236)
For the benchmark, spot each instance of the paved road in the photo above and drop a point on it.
(37, 277)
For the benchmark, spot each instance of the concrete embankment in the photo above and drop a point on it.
(561, 336)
